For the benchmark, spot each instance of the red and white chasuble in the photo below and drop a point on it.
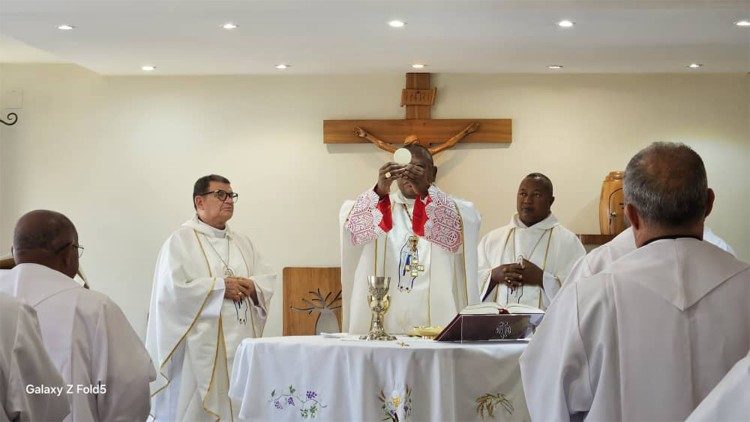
(426, 246)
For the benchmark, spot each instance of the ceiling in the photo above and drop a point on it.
(350, 36)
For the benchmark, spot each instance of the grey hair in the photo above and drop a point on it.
(666, 182)
(201, 185)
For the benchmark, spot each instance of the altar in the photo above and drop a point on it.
(347, 379)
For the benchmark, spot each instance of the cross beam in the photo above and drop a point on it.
(418, 98)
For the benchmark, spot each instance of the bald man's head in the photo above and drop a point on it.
(666, 183)
(46, 238)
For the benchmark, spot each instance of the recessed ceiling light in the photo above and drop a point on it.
(555, 66)
(148, 68)
(282, 66)
(65, 27)
(565, 24)
(695, 65)
(743, 22)
(397, 24)
(418, 66)
(229, 26)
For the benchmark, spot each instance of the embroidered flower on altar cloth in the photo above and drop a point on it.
(309, 405)
(487, 403)
(396, 407)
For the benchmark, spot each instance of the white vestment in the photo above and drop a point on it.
(601, 257)
(91, 343)
(645, 340)
(730, 400)
(24, 362)
(193, 331)
(435, 295)
(547, 244)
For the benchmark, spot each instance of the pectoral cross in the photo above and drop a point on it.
(413, 266)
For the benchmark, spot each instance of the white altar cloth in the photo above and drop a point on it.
(332, 379)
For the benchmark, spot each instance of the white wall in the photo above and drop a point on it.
(119, 155)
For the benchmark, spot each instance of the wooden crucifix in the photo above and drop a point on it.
(417, 126)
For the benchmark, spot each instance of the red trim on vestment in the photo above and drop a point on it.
(384, 206)
(420, 216)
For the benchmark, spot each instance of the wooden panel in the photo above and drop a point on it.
(595, 239)
(7, 263)
(421, 97)
(418, 81)
(434, 130)
(312, 297)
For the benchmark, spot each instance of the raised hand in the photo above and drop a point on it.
(386, 175)
(416, 177)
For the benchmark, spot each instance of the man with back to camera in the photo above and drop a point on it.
(650, 336)
(89, 339)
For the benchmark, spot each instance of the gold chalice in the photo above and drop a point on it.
(379, 302)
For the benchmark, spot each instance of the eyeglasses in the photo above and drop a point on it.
(222, 195)
(78, 247)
